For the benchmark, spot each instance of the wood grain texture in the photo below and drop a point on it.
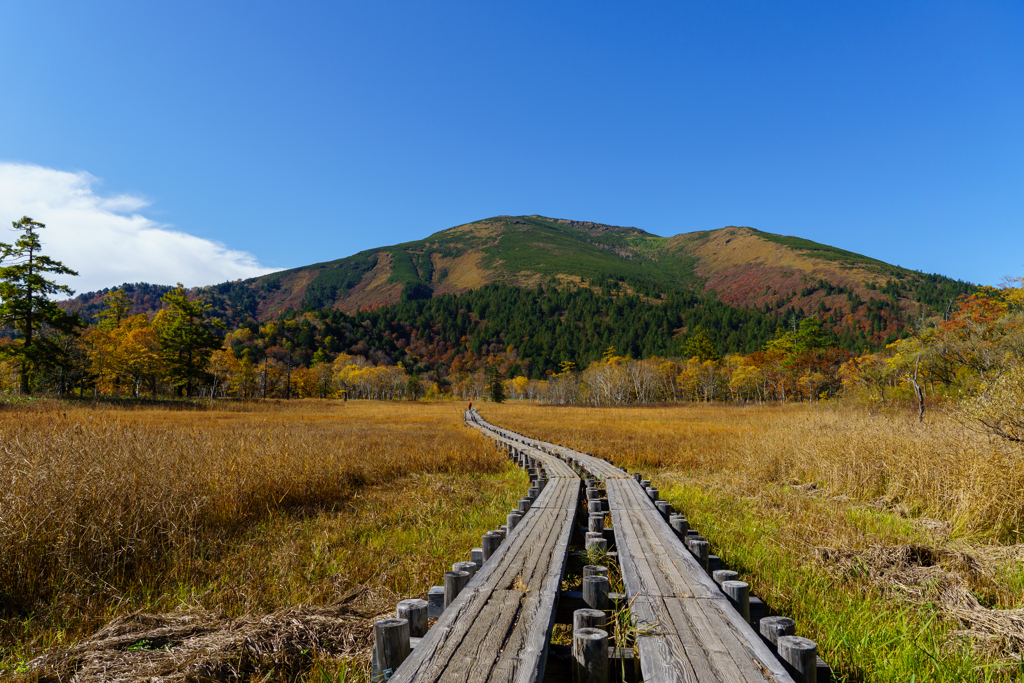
(499, 627)
(689, 630)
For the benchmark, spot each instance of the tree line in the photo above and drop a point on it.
(560, 344)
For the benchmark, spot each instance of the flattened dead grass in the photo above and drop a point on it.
(208, 646)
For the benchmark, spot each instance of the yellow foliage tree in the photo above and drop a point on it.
(519, 386)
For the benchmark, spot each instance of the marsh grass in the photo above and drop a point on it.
(785, 492)
(114, 510)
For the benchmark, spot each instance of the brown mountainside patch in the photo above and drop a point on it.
(459, 274)
(374, 290)
(746, 269)
(293, 288)
(742, 268)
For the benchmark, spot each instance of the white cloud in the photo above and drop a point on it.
(106, 239)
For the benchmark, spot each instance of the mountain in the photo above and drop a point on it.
(511, 250)
(781, 276)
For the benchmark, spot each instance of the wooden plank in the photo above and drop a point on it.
(653, 565)
(499, 627)
(691, 633)
(700, 639)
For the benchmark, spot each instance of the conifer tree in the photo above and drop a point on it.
(116, 307)
(25, 303)
(187, 339)
(495, 385)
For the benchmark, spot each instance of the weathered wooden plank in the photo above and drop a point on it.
(514, 598)
(653, 565)
(703, 638)
(690, 630)
(499, 627)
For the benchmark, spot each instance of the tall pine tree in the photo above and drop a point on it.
(187, 340)
(25, 303)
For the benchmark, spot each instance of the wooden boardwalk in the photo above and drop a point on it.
(690, 630)
(499, 627)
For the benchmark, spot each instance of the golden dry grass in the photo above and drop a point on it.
(240, 509)
(937, 469)
(890, 542)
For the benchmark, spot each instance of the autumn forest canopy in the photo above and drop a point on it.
(604, 339)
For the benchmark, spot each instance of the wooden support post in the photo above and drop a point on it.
(773, 628)
(390, 644)
(664, 507)
(739, 596)
(644, 483)
(802, 655)
(700, 550)
(588, 618)
(595, 592)
(489, 543)
(680, 524)
(598, 543)
(435, 602)
(757, 610)
(590, 655)
(477, 557)
(513, 519)
(593, 493)
(524, 505)
(724, 575)
(652, 493)
(415, 612)
(639, 477)
(595, 522)
(454, 582)
(465, 567)
(594, 570)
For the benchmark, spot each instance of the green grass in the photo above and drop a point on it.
(862, 634)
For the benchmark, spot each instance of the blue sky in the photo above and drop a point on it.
(207, 141)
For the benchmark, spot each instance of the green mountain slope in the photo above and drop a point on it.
(783, 277)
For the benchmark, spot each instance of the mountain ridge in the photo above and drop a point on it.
(740, 266)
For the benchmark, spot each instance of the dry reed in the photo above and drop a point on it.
(106, 510)
(870, 503)
(936, 469)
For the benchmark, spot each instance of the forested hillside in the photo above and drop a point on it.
(519, 297)
(864, 301)
(535, 329)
